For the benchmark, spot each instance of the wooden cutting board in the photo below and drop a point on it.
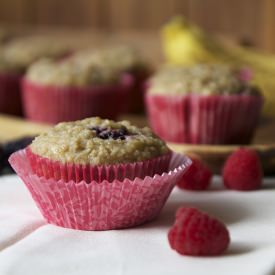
(213, 155)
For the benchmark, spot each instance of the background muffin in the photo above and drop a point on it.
(96, 142)
(125, 60)
(24, 51)
(73, 88)
(208, 104)
(15, 57)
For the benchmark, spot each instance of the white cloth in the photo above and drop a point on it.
(29, 246)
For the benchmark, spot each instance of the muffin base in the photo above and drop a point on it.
(44, 167)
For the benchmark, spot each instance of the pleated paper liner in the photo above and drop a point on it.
(204, 119)
(100, 206)
(53, 104)
(47, 168)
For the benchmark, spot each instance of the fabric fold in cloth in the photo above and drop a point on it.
(30, 246)
(18, 216)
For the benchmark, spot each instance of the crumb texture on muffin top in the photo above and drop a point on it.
(205, 79)
(71, 72)
(18, 54)
(98, 141)
(122, 58)
(88, 67)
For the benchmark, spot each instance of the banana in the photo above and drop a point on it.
(185, 43)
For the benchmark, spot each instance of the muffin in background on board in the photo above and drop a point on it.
(73, 88)
(126, 60)
(99, 174)
(203, 104)
(15, 57)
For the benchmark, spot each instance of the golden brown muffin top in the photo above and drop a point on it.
(203, 79)
(18, 54)
(98, 141)
(71, 72)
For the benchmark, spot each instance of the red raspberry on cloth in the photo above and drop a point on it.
(197, 234)
(242, 170)
(197, 177)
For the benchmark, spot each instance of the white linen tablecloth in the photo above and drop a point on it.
(30, 246)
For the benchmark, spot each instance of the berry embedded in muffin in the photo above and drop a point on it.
(105, 133)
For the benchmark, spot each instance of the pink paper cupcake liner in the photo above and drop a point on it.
(213, 119)
(10, 97)
(52, 104)
(100, 206)
(44, 167)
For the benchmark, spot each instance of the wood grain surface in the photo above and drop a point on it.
(251, 20)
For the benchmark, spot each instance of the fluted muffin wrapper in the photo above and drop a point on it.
(10, 96)
(53, 104)
(57, 170)
(100, 206)
(204, 119)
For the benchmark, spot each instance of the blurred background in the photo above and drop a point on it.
(246, 21)
(209, 27)
(185, 32)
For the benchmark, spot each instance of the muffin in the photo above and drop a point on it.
(72, 89)
(15, 57)
(203, 104)
(94, 142)
(97, 174)
(126, 60)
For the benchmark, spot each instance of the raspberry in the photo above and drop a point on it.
(197, 177)
(242, 170)
(195, 233)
